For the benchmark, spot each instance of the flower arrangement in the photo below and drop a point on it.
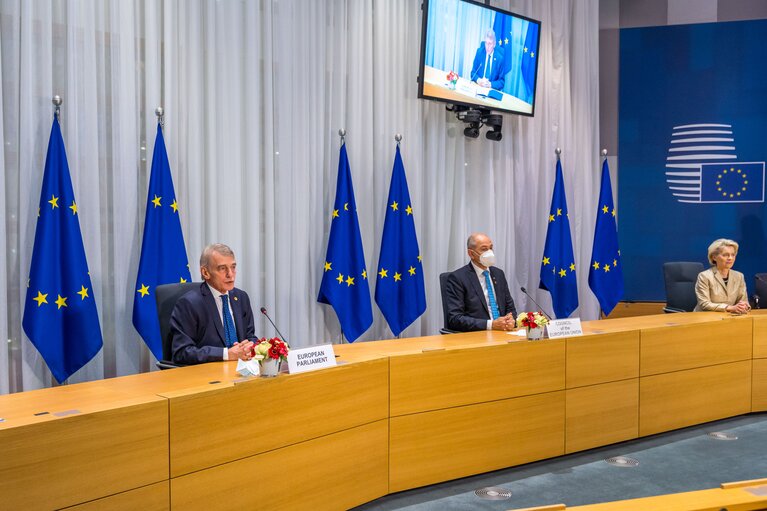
(452, 77)
(531, 320)
(271, 349)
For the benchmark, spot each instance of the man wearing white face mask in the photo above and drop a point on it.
(477, 295)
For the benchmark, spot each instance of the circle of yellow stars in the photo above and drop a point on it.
(731, 194)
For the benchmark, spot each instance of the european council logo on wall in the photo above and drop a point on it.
(702, 167)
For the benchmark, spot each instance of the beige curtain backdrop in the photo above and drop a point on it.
(254, 94)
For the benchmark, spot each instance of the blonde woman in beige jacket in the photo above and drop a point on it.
(720, 288)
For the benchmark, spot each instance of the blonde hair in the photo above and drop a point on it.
(716, 247)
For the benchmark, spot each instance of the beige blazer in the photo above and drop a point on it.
(714, 295)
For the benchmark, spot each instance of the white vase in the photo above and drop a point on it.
(269, 367)
(535, 333)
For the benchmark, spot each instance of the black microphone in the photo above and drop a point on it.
(536, 303)
(263, 311)
(756, 300)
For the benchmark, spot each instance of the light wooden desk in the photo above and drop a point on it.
(394, 415)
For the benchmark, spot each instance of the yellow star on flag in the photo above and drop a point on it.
(559, 212)
(409, 210)
(394, 206)
(61, 301)
(346, 206)
(382, 273)
(604, 208)
(335, 213)
(73, 207)
(365, 274)
(40, 298)
(174, 206)
(615, 263)
(328, 266)
(181, 280)
(397, 277)
(411, 271)
(613, 211)
(551, 218)
(572, 266)
(54, 202)
(349, 281)
(83, 292)
(156, 201)
(562, 272)
(340, 278)
(144, 290)
(606, 268)
(546, 260)
(595, 265)
(419, 258)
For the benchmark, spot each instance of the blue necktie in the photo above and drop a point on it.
(491, 295)
(230, 333)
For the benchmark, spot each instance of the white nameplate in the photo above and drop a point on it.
(310, 359)
(564, 328)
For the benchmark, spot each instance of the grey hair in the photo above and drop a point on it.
(716, 247)
(218, 248)
(491, 34)
(472, 241)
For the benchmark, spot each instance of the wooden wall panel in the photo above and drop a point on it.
(601, 415)
(443, 379)
(336, 471)
(593, 359)
(446, 444)
(684, 398)
(155, 497)
(759, 386)
(208, 428)
(682, 347)
(69, 460)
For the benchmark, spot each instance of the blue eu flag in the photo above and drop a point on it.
(400, 292)
(529, 60)
(60, 316)
(163, 253)
(558, 265)
(606, 271)
(344, 281)
(732, 182)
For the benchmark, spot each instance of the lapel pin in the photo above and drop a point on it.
(235, 298)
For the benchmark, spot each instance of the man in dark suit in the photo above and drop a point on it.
(487, 69)
(477, 294)
(214, 322)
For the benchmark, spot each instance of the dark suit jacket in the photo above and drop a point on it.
(198, 334)
(497, 77)
(466, 305)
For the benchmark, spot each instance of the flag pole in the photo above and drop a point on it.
(342, 134)
(603, 152)
(160, 113)
(398, 138)
(57, 101)
(558, 152)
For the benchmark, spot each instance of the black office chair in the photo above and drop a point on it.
(680, 280)
(760, 290)
(442, 282)
(166, 297)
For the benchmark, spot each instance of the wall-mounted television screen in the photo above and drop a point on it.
(476, 55)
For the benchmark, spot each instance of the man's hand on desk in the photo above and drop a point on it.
(504, 323)
(483, 82)
(241, 350)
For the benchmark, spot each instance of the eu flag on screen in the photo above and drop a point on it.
(606, 271)
(732, 182)
(529, 58)
(558, 265)
(60, 316)
(163, 253)
(344, 280)
(502, 29)
(400, 292)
